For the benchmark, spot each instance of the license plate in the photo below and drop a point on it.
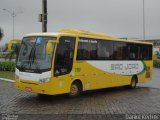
(28, 89)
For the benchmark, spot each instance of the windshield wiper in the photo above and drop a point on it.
(37, 67)
(32, 54)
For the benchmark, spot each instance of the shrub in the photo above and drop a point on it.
(156, 63)
(7, 66)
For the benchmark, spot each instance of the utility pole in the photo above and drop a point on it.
(43, 16)
(13, 16)
(144, 31)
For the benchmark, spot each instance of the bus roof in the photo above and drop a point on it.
(15, 41)
(85, 33)
(42, 34)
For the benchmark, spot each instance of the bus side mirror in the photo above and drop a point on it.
(49, 47)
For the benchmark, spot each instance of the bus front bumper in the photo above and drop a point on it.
(34, 87)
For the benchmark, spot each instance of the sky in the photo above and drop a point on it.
(119, 18)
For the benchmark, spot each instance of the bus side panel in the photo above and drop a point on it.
(147, 74)
(92, 77)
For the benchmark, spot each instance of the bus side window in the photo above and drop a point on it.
(105, 50)
(64, 55)
(132, 56)
(83, 52)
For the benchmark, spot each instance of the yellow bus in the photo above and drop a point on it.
(72, 61)
(11, 44)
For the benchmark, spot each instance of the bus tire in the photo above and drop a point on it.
(42, 95)
(75, 89)
(133, 83)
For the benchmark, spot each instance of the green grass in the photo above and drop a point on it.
(7, 75)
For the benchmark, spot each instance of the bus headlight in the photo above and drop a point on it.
(44, 80)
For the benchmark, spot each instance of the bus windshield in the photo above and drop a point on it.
(36, 54)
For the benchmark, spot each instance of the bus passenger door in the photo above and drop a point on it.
(64, 61)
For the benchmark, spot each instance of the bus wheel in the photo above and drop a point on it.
(75, 89)
(133, 82)
(42, 96)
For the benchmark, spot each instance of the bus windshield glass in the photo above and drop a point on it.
(36, 54)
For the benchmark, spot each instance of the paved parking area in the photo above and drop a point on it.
(142, 100)
(155, 82)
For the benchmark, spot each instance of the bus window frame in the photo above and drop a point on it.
(114, 41)
(54, 59)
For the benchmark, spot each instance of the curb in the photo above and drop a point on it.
(8, 80)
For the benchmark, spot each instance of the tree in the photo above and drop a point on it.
(14, 52)
(1, 34)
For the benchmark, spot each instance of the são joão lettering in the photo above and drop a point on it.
(124, 67)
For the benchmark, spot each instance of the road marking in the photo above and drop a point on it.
(8, 80)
